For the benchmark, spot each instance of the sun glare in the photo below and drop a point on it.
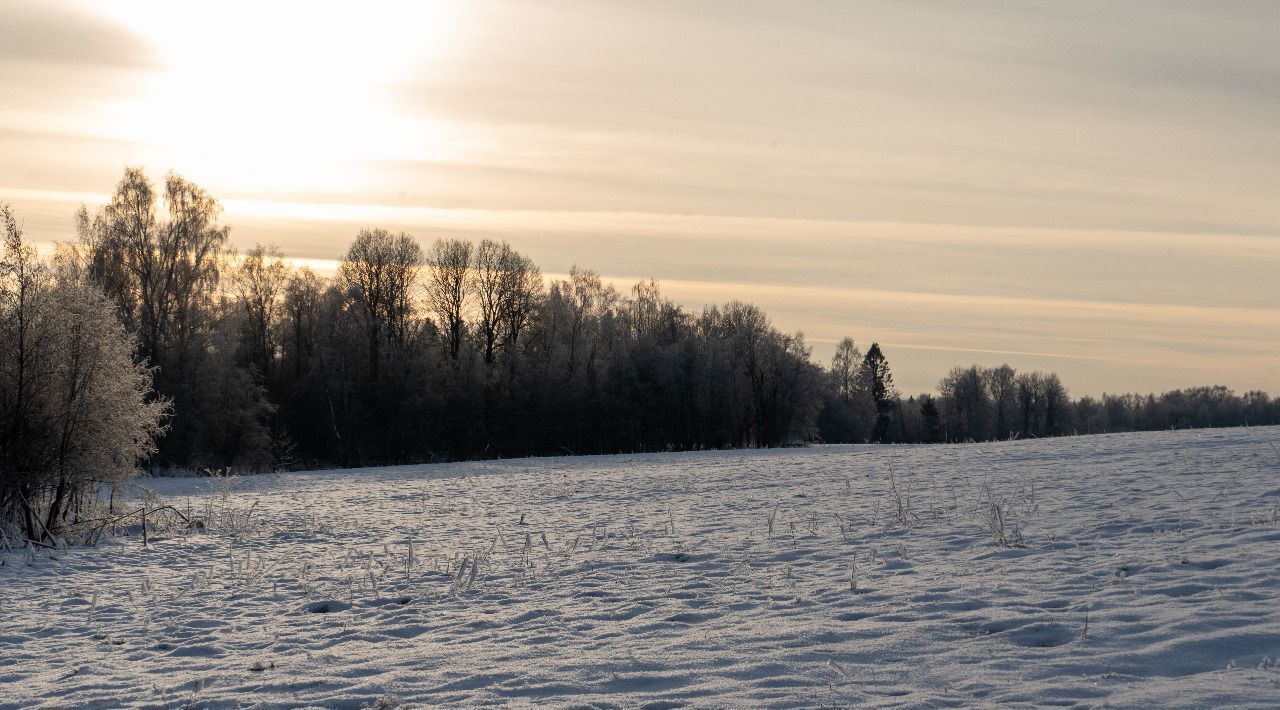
(285, 96)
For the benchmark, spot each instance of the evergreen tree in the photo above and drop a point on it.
(932, 421)
(878, 380)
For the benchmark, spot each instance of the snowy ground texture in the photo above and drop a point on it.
(1129, 570)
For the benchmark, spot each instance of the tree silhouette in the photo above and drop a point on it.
(878, 381)
(449, 262)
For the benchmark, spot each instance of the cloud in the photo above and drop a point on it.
(1078, 186)
(60, 32)
(1096, 116)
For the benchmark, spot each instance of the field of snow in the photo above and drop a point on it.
(1136, 570)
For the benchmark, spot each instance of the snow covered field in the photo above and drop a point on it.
(1125, 570)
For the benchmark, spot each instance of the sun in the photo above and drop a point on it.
(285, 96)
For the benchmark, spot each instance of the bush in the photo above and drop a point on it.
(75, 410)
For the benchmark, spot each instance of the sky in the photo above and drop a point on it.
(1088, 188)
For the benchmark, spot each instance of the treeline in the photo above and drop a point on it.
(456, 350)
(412, 353)
(983, 404)
(995, 403)
(147, 341)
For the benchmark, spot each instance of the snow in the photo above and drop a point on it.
(1135, 570)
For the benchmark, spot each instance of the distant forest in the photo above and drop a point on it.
(459, 350)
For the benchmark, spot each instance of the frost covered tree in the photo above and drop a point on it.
(160, 259)
(588, 305)
(845, 363)
(75, 410)
(767, 387)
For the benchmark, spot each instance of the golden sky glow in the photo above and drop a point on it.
(1085, 188)
(283, 94)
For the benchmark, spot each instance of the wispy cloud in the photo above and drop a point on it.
(1082, 187)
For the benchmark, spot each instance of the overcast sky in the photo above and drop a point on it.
(1085, 187)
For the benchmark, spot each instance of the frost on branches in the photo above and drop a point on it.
(75, 411)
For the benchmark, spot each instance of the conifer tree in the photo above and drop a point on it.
(878, 380)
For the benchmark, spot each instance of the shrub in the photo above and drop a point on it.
(75, 410)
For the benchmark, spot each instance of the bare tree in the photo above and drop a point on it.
(486, 283)
(644, 309)
(1031, 405)
(191, 257)
(590, 305)
(522, 291)
(24, 291)
(965, 403)
(1056, 405)
(257, 281)
(380, 272)
(651, 316)
(845, 364)
(302, 314)
(161, 275)
(449, 262)
(506, 285)
(1002, 388)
